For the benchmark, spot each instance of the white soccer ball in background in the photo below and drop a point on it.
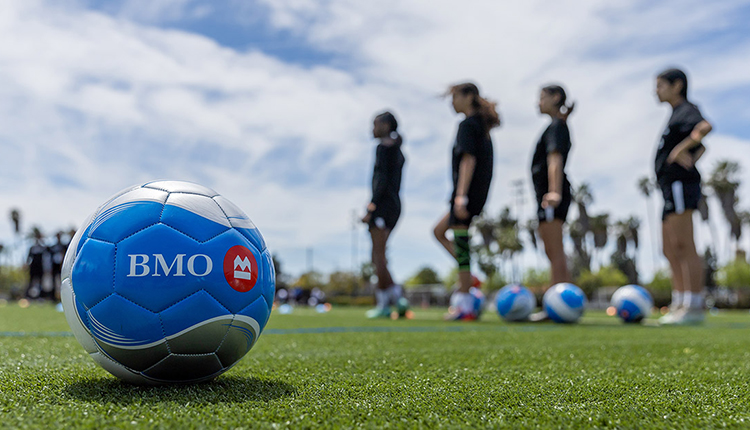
(515, 302)
(564, 302)
(632, 303)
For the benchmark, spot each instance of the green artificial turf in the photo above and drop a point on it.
(341, 370)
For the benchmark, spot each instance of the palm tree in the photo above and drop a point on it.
(600, 230)
(624, 257)
(724, 183)
(647, 186)
(580, 228)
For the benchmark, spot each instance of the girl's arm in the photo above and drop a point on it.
(465, 173)
(554, 179)
(681, 153)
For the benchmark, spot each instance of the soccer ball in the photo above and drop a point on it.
(564, 303)
(478, 300)
(515, 302)
(167, 282)
(633, 303)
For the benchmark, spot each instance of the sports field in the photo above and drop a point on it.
(341, 370)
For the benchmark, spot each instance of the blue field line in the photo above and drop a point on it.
(429, 329)
(321, 330)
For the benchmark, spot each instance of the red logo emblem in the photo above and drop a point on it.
(240, 268)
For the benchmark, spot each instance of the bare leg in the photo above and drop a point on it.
(551, 233)
(670, 253)
(440, 229)
(690, 263)
(379, 260)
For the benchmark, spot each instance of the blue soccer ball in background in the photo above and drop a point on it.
(478, 300)
(632, 303)
(564, 302)
(515, 302)
(167, 282)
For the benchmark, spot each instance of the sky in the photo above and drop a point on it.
(270, 103)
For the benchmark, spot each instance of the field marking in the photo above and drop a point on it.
(322, 330)
(425, 329)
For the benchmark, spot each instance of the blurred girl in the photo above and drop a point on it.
(472, 175)
(680, 184)
(384, 210)
(551, 184)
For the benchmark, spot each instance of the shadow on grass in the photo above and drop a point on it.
(230, 389)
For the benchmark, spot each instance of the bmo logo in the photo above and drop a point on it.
(156, 265)
(240, 268)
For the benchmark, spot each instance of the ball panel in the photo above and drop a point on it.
(196, 325)
(196, 216)
(221, 248)
(92, 275)
(235, 215)
(121, 323)
(124, 220)
(80, 332)
(159, 266)
(181, 187)
(135, 195)
(138, 358)
(240, 338)
(186, 368)
(121, 371)
(259, 311)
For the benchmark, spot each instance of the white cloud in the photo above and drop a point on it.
(92, 103)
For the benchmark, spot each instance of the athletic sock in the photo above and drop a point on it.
(677, 298)
(394, 293)
(693, 301)
(381, 298)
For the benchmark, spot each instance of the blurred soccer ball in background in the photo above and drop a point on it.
(564, 303)
(632, 303)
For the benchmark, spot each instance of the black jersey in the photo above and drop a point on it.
(57, 252)
(472, 139)
(556, 138)
(682, 122)
(386, 176)
(35, 259)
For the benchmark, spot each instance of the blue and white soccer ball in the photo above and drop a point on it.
(564, 303)
(633, 303)
(478, 300)
(515, 302)
(167, 282)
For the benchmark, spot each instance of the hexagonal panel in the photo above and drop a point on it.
(159, 266)
(195, 325)
(186, 368)
(122, 324)
(181, 187)
(219, 288)
(93, 271)
(128, 214)
(197, 216)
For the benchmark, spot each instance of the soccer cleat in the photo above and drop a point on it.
(378, 313)
(402, 307)
(539, 316)
(684, 316)
(456, 315)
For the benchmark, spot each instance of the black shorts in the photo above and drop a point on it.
(385, 218)
(560, 212)
(680, 197)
